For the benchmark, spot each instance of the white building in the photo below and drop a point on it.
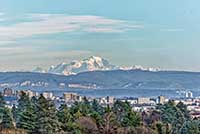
(48, 95)
(144, 100)
(189, 94)
(72, 97)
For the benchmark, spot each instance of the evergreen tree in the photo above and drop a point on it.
(23, 101)
(125, 116)
(14, 112)
(191, 127)
(2, 105)
(47, 122)
(97, 112)
(2, 102)
(27, 118)
(5, 114)
(25, 113)
(65, 117)
(183, 109)
(83, 108)
(97, 107)
(7, 120)
(131, 119)
(172, 115)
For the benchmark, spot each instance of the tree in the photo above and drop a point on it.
(110, 124)
(2, 105)
(97, 107)
(97, 112)
(27, 118)
(23, 101)
(5, 114)
(81, 108)
(184, 110)
(2, 102)
(47, 121)
(7, 120)
(131, 119)
(87, 125)
(191, 127)
(14, 112)
(65, 118)
(125, 115)
(172, 116)
(25, 113)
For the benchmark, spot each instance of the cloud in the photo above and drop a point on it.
(41, 24)
(1, 17)
(172, 30)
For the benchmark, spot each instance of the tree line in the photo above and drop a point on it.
(40, 116)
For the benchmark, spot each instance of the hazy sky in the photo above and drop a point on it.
(152, 33)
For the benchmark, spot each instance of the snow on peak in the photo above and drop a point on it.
(39, 70)
(92, 63)
(139, 67)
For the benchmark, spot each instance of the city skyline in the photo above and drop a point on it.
(148, 33)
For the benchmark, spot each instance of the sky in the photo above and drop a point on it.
(164, 34)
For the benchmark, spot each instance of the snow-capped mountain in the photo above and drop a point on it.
(93, 63)
(39, 70)
(139, 67)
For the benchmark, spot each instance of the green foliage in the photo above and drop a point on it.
(25, 114)
(191, 127)
(132, 119)
(5, 114)
(125, 115)
(14, 112)
(2, 102)
(2, 105)
(81, 108)
(65, 118)
(175, 115)
(183, 109)
(97, 107)
(40, 116)
(7, 120)
(47, 121)
(23, 101)
(27, 119)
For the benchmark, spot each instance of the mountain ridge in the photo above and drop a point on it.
(93, 63)
(109, 79)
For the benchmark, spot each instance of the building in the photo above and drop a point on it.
(189, 94)
(8, 92)
(132, 101)
(71, 97)
(143, 100)
(31, 93)
(161, 99)
(48, 95)
(110, 100)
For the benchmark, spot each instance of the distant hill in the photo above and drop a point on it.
(102, 79)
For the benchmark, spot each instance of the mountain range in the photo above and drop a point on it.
(97, 73)
(110, 79)
(93, 63)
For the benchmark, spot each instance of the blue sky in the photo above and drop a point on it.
(152, 33)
